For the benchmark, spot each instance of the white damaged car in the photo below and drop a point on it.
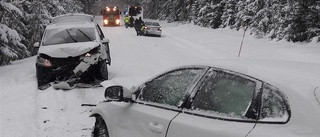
(73, 49)
(202, 100)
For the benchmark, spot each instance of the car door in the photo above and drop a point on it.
(157, 103)
(224, 104)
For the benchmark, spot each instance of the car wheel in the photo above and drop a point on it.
(103, 69)
(43, 77)
(100, 128)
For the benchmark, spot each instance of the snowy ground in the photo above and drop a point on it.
(28, 112)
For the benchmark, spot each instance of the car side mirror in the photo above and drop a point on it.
(117, 93)
(36, 45)
(114, 93)
(105, 41)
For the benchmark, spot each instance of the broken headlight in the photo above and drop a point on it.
(90, 53)
(44, 62)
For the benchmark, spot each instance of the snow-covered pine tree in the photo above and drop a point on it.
(313, 21)
(11, 47)
(207, 13)
(189, 10)
(229, 12)
(216, 20)
(204, 14)
(194, 11)
(151, 9)
(165, 9)
(240, 15)
(277, 17)
(87, 5)
(72, 6)
(261, 18)
(298, 27)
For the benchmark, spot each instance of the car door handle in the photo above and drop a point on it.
(156, 127)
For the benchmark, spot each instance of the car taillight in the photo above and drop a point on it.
(159, 29)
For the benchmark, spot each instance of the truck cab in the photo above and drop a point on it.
(111, 16)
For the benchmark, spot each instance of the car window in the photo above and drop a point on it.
(68, 35)
(152, 23)
(169, 88)
(274, 105)
(224, 94)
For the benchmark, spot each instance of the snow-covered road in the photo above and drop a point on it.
(28, 112)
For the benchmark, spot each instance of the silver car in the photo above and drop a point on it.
(152, 28)
(73, 48)
(205, 101)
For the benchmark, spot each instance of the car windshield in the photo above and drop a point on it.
(68, 35)
(152, 23)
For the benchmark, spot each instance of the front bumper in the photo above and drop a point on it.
(63, 69)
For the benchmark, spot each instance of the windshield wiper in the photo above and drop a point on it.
(85, 35)
(71, 36)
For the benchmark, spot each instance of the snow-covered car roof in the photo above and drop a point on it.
(73, 17)
(71, 25)
(72, 20)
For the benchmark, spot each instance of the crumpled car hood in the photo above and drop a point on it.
(67, 50)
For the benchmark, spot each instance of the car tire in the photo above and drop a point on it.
(103, 69)
(100, 128)
(43, 77)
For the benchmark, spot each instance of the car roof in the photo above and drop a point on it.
(152, 23)
(72, 20)
(72, 17)
(272, 72)
(71, 25)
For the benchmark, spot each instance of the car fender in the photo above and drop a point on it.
(117, 108)
(103, 52)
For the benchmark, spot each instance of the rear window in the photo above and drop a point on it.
(68, 35)
(274, 105)
(152, 23)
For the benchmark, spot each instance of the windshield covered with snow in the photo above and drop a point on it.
(68, 35)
